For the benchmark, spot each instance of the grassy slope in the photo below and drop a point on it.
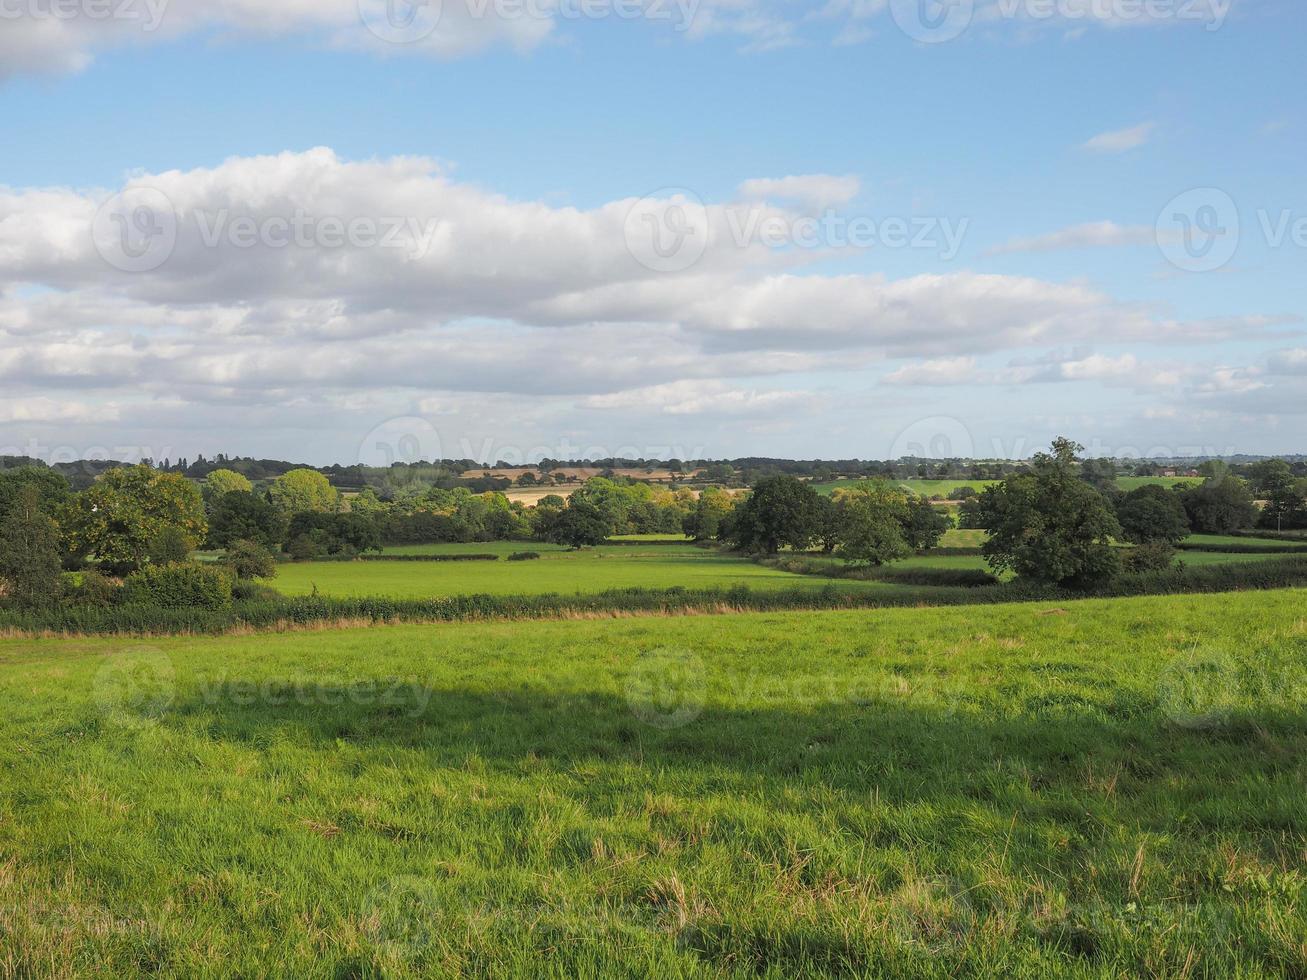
(1110, 789)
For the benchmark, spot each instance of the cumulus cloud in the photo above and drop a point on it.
(1121, 140)
(1098, 234)
(272, 293)
(814, 192)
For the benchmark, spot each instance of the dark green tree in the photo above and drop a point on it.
(782, 511)
(249, 559)
(29, 552)
(243, 516)
(925, 524)
(1152, 513)
(1219, 505)
(580, 524)
(1050, 526)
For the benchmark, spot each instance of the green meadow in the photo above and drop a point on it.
(1101, 789)
(557, 570)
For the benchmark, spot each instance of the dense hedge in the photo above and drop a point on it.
(1246, 549)
(320, 610)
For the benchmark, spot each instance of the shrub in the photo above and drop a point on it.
(95, 589)
(524, 556)
(183, 586)
(249, 559)
(1152, 556)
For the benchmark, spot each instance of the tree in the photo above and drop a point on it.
(782, 511)
(1099, 474)
(122, 514)
(1152, 513)
(29, 551)
(1219, 505)
(171, 546)
(221, 482)
(925, 524)
(50, 485)
(1274, 482)
(579, 524)
(871, 527)
(241, 515)
(1048, 525)
(249, 559)
(705, 518)
(300, 491)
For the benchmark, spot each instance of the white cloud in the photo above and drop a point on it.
(815, 192)
(1098, 234)
(1121, 140)
(512, 302)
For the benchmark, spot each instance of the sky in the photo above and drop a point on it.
(367, 230)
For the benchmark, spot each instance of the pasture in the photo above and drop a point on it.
(657, 566)
(1109, 788)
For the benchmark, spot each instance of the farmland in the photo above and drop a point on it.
(1113, 788)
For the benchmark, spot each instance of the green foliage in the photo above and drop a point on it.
(249, 560)
(244, 516)
(710, 514)
(1286, 506)
(171, 546)
(335, 534)
(580, 524)
(304, 490)
(1047, 525)
(222, 482)
(1153, 513)
(95, 589)
(185, 586)
(1221, 504)
(51, 488)
(1151, 556)
(871, 518)
(925, 525)
(30, 568)
(125, 511)
(524, 556)
(781, 511)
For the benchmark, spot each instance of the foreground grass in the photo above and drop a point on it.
(1107, 789)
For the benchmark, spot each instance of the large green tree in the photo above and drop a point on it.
(581, 523)
(120, 517)
(29, 551)
(871, 520)
(1048, 525)
(1274, 482)
(1152, 513)
(51, 488)
(304, 490)
(1220, 504)
(782, 511)
(220, 482)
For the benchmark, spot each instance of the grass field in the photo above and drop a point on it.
(942, 488)
(659, 566)
(1107, 789)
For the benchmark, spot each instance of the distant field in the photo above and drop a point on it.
(1135, 482)
(592, 570)
(1086, 789)
(1216, 540)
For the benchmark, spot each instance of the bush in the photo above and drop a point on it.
(95, 589)
(249, 559)
(184, 586)
(1152, 556)
(524, 556)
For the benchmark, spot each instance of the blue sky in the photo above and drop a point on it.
(1038, 161)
